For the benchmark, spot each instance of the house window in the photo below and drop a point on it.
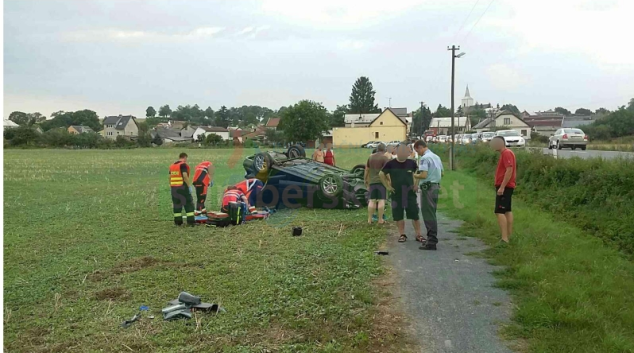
(376, 135)
(523, 132)
(507, 121)
(381, 123)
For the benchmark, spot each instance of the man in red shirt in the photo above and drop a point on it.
(504, 184)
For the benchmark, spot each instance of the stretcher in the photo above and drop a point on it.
(222, 219)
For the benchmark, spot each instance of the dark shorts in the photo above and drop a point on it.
(377, 192)
(405, 205)
(503, 202)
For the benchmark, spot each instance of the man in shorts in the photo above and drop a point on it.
(504, 186)
(377, 190)
(398, 178)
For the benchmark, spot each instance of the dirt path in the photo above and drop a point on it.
(449, 296)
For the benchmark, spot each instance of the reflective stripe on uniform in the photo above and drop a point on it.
(190, 214)
(177, 215)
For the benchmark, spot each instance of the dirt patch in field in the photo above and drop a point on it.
(112, 294)
(137, 264)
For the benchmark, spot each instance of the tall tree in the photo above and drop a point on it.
(20, 118)
(563, 111)
(511, 108)
(65, 119)
(223, 119)
(306, 120)
(630, 105)
(209, 113)
(165, 111)
(150, 112)
(583, 111)
(602, 111)
(362, 97)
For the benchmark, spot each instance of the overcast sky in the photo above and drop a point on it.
(118, 57)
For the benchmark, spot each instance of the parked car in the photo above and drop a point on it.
(371, 144)
(466, 139)
(512, 138)
(572, 138)
(475, 138)
(442, 138)
(312, 184)
(487, 136)
(393, 143)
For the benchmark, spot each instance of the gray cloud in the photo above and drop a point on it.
(121, 56)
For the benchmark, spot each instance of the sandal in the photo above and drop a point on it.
(420, 239)
(402, 239)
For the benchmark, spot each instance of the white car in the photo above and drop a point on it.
(442, 139)
(393, 143)
(466, 139)
(512, 138)
(373, 144)
(487, 136)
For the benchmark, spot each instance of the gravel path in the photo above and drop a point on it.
(449, 296)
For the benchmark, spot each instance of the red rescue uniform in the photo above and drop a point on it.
(201, 182)
(233, 195)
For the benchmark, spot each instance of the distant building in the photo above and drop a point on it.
(505, 120)
(442, 126)
(207, 130)
(272, 123)
(122, 125)
(387, 126)
(579, 121)
(6, 123)
(467, 101)
(544, 123)
(79, 129)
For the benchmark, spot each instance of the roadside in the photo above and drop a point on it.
(449, 294)
(570, 292)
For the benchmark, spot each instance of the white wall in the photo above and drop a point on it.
(199, 131)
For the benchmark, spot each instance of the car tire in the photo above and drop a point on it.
(358, 169)
(583, 148)
(331, 185)
(573, 147)
(262, 163)
(550, 145)
(296, 151)
(559, 146)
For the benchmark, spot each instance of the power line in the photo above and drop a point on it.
(476, 23)
(466, 18)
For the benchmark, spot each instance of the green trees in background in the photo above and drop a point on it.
(150, 112)
(306, 120)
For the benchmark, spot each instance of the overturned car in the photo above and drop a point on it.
(292, 179)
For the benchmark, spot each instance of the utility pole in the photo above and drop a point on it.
(422, 119)
(453, 49)
(389, 104)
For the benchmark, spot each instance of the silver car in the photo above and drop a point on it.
(487, 136)
(572, 138)
(512, 138)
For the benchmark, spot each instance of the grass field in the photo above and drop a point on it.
(88, 238)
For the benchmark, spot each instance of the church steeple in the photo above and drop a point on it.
(466, 94)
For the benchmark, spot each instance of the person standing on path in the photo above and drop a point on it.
(430, 173)
(318, 155)
(505, 185)
(377, 190)
(329, 155)
(180, 186)
(398, 178)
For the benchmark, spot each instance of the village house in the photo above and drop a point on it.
(79, 129)
(122, 125)
(206, 130)
(442, 126)
(272, 123)
(505, 120)
(361, 128)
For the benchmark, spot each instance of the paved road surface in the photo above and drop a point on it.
(567, 153)
(448, 295)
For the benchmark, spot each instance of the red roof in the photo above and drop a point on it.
(273, 122)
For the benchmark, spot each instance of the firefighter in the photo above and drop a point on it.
(203, 179)
(233, 194)
(251, 188)
(181, 193)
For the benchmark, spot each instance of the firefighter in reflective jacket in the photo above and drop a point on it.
(203, 179)
(181, 194)
(251, 188)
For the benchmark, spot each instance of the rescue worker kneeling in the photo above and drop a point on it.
(251, 188)
(181, 194)
(235, 204)
(203, 179)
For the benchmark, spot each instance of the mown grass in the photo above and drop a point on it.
(88, 238)
(572, 293)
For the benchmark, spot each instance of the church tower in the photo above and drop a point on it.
(467, 101)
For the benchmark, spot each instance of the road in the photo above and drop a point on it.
(450, 296)
(567, 153)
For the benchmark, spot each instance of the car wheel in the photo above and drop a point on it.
(550, 145)
(559, 146)
(262, 162)
(573, 147)
(331, 185)
(358, 169)
(583, 148)
(296, 151)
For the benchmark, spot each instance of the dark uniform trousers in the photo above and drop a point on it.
(181, 197)
(428, 205)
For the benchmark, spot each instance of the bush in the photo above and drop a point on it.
(593, 194)
(537, 137)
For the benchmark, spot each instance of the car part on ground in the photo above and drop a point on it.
(292, 181)
(182, 307)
